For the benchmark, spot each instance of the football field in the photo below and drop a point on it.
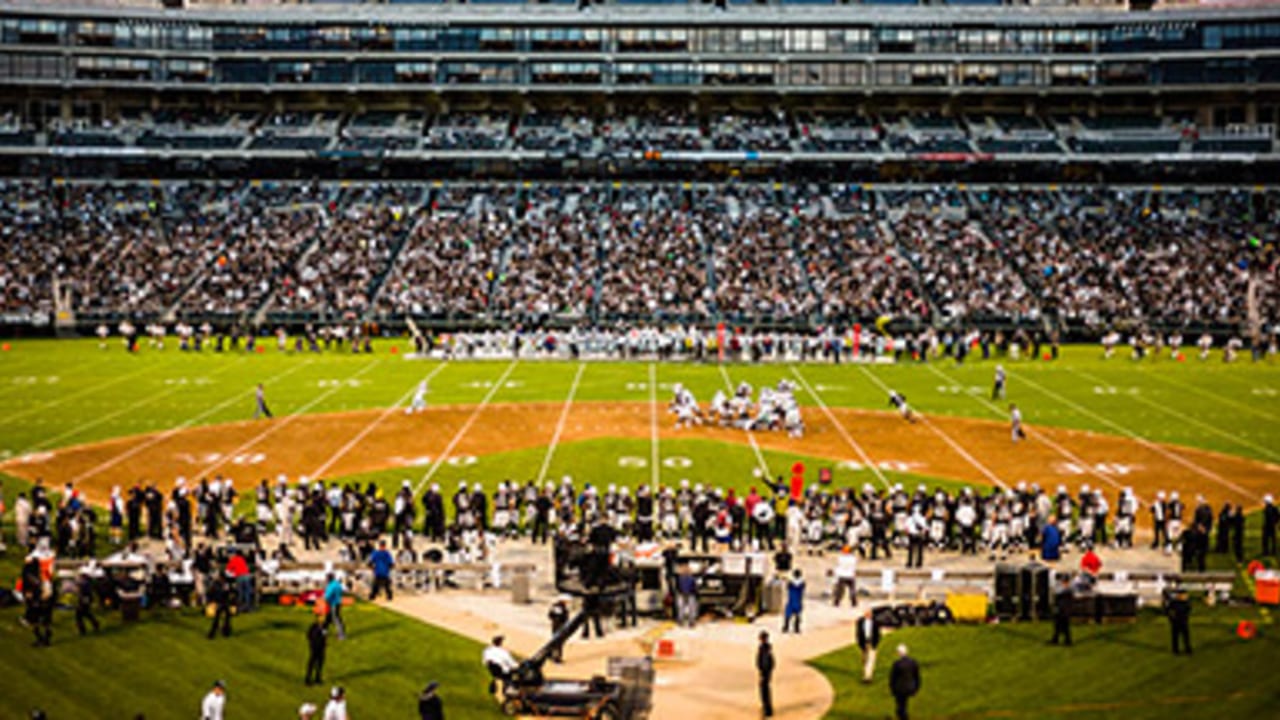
(100, 418)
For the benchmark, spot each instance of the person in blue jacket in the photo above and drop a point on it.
(795, 601)
(381, 562)
(333, 598)
(1051, 541)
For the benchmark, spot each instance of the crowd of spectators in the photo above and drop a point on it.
(740, 252)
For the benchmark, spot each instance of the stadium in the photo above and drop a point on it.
(639, 358)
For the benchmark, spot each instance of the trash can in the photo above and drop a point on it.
(775, 596)
(1267, 587)
(521, 588)
(130, 607)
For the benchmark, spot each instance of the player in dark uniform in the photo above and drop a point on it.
(898, 400)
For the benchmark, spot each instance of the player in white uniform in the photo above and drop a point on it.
(997, 388)
(1205, 343)
(1015, 423)
(103, 332)
(419, 399)
(1109, 342)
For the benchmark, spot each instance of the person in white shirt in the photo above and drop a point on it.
(1015, 423)
(336, 709)
(868, 637)
(845, 572)
(214, 702)
(499, 661)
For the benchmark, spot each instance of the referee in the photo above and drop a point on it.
(260, 397)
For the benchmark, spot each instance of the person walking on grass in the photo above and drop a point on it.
(214, 703)
(333, 600)
(336, 709)
(430, 707)
(316, 641)
(220, 598)
(260, 403)
(904, 681)
(84, 602)
(868, 637)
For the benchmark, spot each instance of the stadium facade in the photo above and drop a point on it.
(340, 132)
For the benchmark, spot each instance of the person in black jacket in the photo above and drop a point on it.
(316, 641)
(764, 666)
(84, 603)
(1062, 600)
(1178, 608)
(221, 597)
(904, 681)
(868, 634)
(1270, 520)
(1237, 532)
(1224, 529)
(429, 705)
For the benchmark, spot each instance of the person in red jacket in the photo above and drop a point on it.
(238, 571)
(1091, 563)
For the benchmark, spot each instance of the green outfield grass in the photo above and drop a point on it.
(163, 665)
(1113, 671)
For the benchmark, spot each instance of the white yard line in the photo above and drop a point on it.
(121, 411)
(942, 435)
(764, 466)
(320, 471)
(653, 425)
(236, 398)
(275, 424)
(1183, 418)
(1204, 472)
(1218, 397)
(564, 415)
(1064, 452)
(862, 454)
(79, 393)
(462, 431)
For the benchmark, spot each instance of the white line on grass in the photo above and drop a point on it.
(1064, 452)
(238, 397)
(862, 454)
(1204, 472)
(84, 391)
(275, 424)
(121, 411)
(342, 451)
(1218, 397)
(462, 431)
(1184, 417)
(764, 466)
(968, 457)
(653, 424)
(564, 415)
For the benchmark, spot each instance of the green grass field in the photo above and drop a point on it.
(1112, 671)
(66, 393)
